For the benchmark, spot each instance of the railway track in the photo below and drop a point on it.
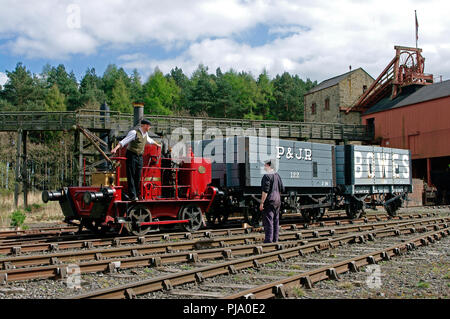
(17, 238)
(62, 243)
(282, 253)
(106, 260)
(283, 288)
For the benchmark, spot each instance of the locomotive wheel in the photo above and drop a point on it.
(194, 215)
(138, 214)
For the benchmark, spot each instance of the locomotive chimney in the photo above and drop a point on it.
(138, 113)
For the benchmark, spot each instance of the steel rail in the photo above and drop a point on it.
(18, 248)
(131, 290)
(96, 254)
(7, 234)
(280, 289)
(17, 240)
(50, 238)
(137, 260)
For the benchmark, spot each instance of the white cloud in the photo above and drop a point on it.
(3, 78)
(315, 39)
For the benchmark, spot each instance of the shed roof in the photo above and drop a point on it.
(333, 81)
(412, 94)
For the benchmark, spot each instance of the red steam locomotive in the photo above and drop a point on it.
(172, 193)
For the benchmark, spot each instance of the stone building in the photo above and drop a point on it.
(326, 102)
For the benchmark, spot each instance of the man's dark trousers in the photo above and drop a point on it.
(134, 168)
(271, 222)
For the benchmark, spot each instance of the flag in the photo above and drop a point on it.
(417, 27)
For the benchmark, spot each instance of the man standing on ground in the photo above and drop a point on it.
(136, 141)
(271, 186)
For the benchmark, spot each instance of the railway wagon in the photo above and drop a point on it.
(307, 171)
(370, 176)
(171, 193)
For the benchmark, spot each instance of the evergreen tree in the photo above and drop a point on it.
(24, 91)
(183, 82)
(67, 84)
(202, 92)
(120, 99)
(109, 80)
(136, 94)
(161, 96)
(288, 93)
(92, 96)
(264, 97)
(55, 100)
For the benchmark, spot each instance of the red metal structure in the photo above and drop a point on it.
(171, 194)
(406, 68)
(407, 110)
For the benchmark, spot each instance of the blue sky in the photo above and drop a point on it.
(314, 39)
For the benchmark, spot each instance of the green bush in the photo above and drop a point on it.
(17, 218)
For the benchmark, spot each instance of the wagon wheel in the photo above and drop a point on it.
(138, 214)
(194, 215)
(355, 209)
(319, 212)
(307, 215)
(393, 206)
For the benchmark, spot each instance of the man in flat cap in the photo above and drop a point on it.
(272, 187)
(136, 141)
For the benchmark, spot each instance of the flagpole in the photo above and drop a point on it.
(417, 27)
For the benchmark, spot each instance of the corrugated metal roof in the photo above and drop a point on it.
(413, 94)
(331, 82)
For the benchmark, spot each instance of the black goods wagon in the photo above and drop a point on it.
(307, 171)
(370, 176)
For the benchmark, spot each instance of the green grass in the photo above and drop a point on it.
(17, 218)
(149, 270)
(423, 285)
(290, 274)
(297, 267)
(298, 292)
(345, 285)
(186, 267)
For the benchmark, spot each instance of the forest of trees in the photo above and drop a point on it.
(228, 94)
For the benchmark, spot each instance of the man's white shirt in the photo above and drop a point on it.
(132, 135)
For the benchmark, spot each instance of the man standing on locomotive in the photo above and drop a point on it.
(136, 141)
(271, 186)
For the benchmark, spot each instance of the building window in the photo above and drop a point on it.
(327, 104)
(313, 108)
(364, 88)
